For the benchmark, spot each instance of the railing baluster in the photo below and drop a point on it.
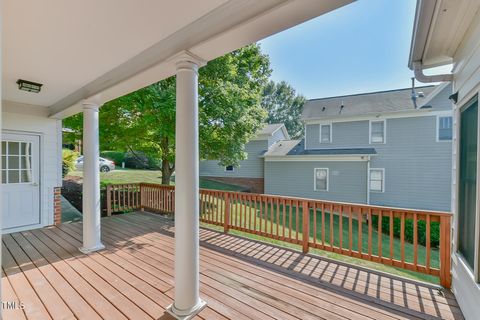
(415, 240)
(379, 234)
(369, 217)
(402, 238)
(340, 227)
(332, 236)
(350, 230)
(360, 241)
(323, 224)
(391, 235)
(427, 242)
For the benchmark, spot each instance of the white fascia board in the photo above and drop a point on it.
(317, 158)
(379, 116)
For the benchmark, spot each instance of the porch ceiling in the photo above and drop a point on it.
(113, 47)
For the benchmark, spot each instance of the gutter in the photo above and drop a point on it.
(420, 76)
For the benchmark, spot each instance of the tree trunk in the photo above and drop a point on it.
(167, 172)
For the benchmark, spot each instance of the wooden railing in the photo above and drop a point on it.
(415, 240)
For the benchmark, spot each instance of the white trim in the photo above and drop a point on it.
(383, 179)
(384, 131)
(317, 158)
(437, 129)
(315, 179)
(379, 115)
(320, 132)
(229, 171)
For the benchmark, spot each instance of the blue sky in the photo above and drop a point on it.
(358, 48)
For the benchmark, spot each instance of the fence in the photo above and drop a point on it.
(397, 237)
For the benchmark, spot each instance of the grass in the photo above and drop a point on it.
(267, 222)
(151, 176)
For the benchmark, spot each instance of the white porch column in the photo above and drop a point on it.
(187, 300)
(91, 180)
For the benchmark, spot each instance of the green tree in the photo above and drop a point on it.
(284, 106)
(230, 112)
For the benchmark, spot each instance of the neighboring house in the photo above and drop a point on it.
(250, 172)
(374, 148)
(448, 32)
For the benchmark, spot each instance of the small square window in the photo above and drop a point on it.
(445, 131)
(229, 168)
(321, 179)
(377, 131)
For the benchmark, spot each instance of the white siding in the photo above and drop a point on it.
(34, 120)
(467, 83)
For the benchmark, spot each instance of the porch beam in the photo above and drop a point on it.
(187, 302)
(91, 179)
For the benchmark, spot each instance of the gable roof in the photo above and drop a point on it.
(364, 103)
(270, 129)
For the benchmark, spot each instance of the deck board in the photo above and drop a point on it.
(240, 278)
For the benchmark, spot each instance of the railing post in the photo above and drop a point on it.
(306, 224)
(142, 197)
(445, 255)
(109, 200)
(226, 218)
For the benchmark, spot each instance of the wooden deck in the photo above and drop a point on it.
(240, 279)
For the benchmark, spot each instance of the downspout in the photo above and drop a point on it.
(368, 180)
(420, 76)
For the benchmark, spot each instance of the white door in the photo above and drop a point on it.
(20, 181)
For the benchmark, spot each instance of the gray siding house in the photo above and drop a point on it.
(381, 148)
(250, 172)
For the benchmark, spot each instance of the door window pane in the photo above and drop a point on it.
(13, 148)
(468, 183)
(16, 162)
(26, 176)
(13, 176)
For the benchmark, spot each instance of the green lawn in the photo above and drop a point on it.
(151, 176)
(244, 213)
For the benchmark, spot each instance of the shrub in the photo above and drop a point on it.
(68, 161)
(116, 156)
(421, 231)
(141, 161)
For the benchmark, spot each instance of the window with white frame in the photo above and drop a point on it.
(229, 169)
(377, 131)
(16, 162)
(325, 133)
(445, 131)
(377, 180)
(321, 179)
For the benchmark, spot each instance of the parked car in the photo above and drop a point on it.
(105, 164)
